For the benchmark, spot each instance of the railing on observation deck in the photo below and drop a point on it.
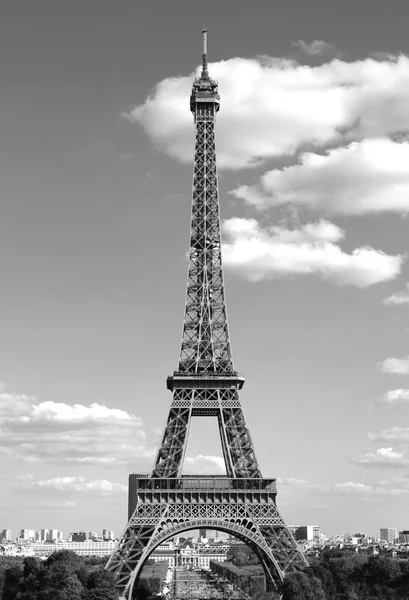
(214, 483)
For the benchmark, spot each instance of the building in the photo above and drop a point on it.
(85, 548)
(309, 533)
(92, 535)
(389, 535)
(54, 534)
(358, 539)
(221, 536)
(79, 536)
(214, 535)
(107, 535)
(27, 535)
(45, 536)
(41, 536)
(49, 535)
(189, 553)
(404, 536)
(5, 535)
(16, 549)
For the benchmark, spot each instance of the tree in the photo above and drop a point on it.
(73, 589)
(302, 586)
(12, 578)
(241, 556)
(101, 586)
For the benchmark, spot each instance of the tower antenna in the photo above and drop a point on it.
(204, 54)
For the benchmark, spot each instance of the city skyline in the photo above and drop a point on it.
(301, 532)
(96, 179)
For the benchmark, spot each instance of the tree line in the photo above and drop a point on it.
(335, 574)
(350, 576)
(62, 576)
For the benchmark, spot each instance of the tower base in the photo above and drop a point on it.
(245, 508)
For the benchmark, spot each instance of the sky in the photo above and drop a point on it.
(96, 158)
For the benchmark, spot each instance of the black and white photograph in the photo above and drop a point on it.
(204, 300)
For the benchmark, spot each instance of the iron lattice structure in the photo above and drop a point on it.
(205, 384)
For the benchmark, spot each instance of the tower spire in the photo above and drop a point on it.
(205, 73)
(204, 94)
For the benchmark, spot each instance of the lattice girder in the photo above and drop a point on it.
(205, 343)
(238, 451)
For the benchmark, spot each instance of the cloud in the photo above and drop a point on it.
(398, 298)
(383, 457)
(393, 398)
(71, 434)
(204, 464)
(364, 177)
(289, 484)
(398, 366)
(46, 504)
(272, 107)
(27, 411)
(292, 486)
(315, 48)
(362, 489)
(291, 481)
(75, 484)
(260, 253)
(393, 434)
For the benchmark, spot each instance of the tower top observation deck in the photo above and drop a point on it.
(205, 89)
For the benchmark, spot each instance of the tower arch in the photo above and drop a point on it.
(245, 532)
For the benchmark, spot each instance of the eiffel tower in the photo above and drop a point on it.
(242, 503)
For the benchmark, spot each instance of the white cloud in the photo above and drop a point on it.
(398, 366)
(27, 411)
(352, 487)
(72, 434)
(314, 48)
(261, 253)
(371, 176)
(393, 398)
(272, 107)
(46, 504)
(384, 457)
(362, 489)
(393, 434)
(291, 486)
(398, 298)
(205, 464)
(291, 482)
(75, 484)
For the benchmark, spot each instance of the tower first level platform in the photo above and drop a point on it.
(199, 490)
